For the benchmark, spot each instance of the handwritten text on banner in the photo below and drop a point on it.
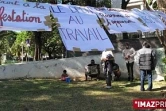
(19, 15)
(79, 28)
(118, 20)
(149, 19)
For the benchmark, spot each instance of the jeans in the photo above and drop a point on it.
(108, 78)
(108, 72)
(130, 71)
(145, 73)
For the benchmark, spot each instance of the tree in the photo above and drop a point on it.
(38, 36)
(37, 41)
(161, 5)
(124, 4)
(6, 41)
(106, 3)
(51, 43)
(19, 43)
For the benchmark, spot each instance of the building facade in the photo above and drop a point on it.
(135, 4)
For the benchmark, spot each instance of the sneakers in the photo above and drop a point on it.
(108, 87)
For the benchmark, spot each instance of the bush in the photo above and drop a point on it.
(164, 60)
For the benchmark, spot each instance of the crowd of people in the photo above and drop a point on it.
(145, 60)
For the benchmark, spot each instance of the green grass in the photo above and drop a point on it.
(54, 95)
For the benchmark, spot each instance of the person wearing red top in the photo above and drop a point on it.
(64, 75)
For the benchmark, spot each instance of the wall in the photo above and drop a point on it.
(54, 68)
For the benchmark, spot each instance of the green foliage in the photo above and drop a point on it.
(11, 37)
(51, 41)
(6, 40)
(19, 42)
(164, 60)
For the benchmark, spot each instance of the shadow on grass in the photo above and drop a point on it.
(132, 84)
(159, 89)
(54, 95)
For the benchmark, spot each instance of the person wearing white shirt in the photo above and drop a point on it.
(104, 55)
(128, 54)
(107, 58)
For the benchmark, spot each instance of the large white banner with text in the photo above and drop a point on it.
(28, 16)
(150, 19)
(80, 29)
(119, 21)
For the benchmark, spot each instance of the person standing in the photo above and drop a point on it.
(147, 63)
(128, 54)
(107, 58)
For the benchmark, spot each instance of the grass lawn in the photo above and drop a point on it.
(54, 95)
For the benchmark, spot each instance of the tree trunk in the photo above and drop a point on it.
(164, 42)
(49, 55)
(162, 6)
(0, 59)
(124, 6)
(37, 55)
(90, 3)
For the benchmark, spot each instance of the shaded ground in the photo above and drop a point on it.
(54, 95)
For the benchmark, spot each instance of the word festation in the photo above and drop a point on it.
(149, 103)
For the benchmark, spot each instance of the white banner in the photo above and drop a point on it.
(80, 28)
(162, 16)
(28, 16)
(119, 21)
(149, 19)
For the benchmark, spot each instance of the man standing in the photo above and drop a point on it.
(108, 59)
(146, 61)
(128, 54)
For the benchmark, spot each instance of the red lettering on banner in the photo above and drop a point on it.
(85, 34)
(149, 104)
(16, 18)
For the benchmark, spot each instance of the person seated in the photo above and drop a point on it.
(116, 71)
(64, 75)
(92, 70)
